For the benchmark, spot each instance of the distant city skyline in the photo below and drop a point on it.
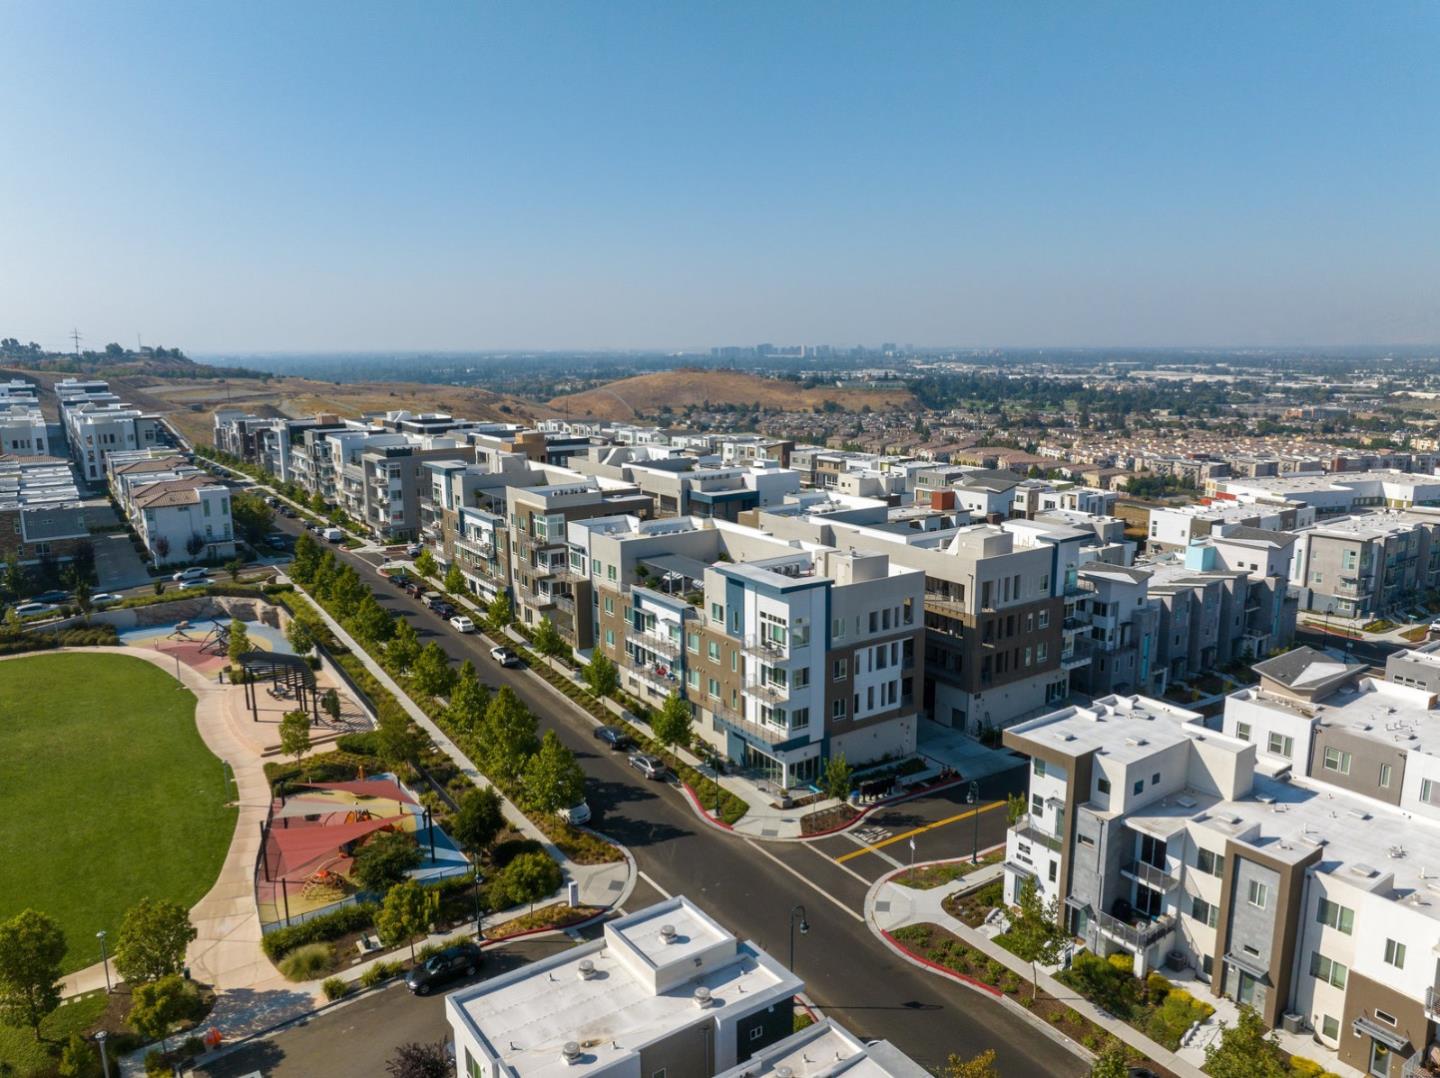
(356, 176)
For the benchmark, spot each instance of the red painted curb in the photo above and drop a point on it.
(942, 969)
(704, 812)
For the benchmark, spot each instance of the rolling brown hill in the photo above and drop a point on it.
(647, 394)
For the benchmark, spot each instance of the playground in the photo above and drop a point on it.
(109, 792)
(203, 642)
(315, 831)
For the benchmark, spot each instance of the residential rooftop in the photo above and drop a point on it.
(1122, 728)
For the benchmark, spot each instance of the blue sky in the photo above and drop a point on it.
(282, 176)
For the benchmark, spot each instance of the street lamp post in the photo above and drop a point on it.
(104, 959)
(973, 800)
(804, 928)
(104, 1059)
(479, 916)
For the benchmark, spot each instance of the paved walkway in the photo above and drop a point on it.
(889, 906)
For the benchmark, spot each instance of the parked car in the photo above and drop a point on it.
(415, 588)
(400, 580)
(451, 964)
(1435, 626)
(615, 737)
(195, 572)
(201, 582)
(332, 535)
(461, 624)
(576, 815)
(277, 542)
(432, 599)
(505, 656)
(273, 502)
(105, 598)
(445, 610)
(26, 609)
(413, 550)
(51, 597)
(652, 767)
(286, 511)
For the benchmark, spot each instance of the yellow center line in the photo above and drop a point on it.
(917, 831)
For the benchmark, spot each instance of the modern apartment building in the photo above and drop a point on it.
(1287, 857)
(23, 430)
(1338, 493)
(95, 430)
(179, 511)
(1368, 564)
(1176, 527)
(681, 486)
(41, 517)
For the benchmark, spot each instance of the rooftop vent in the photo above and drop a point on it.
(587, 969)
(1364, 871)
(1396, 852)
(702, 997)
(667, 933)
(1359, 814)
(1186, 801)
(1265, 799)
(1136, 741)
(570, 1052)
(783, 1071)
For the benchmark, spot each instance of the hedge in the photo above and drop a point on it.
(322, 929)
(83, 637)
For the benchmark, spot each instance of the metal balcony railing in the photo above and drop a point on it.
(1432, 1003)
(768, 690)
(761, 648)
(1136, 936)
(661, 645)
(771, 735)
(1149, 875)
(1027, 830)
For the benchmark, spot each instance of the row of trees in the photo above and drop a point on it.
(149, 955)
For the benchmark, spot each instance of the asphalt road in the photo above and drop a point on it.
(752, 887)
(1365, 651)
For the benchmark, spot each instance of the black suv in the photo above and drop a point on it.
(614, 736)
(451, 964)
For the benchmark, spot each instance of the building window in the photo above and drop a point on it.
(609, 605)
(717, 612)
(1427, 790)
(1155, 779)
(609, 638)
(1204, 912)
(1333, 915)
(1242, 731)
(1139, 786)
(1044, 619)
(1282, 746)
(1039, 769)
(1103, 785)
(1327, 970)
(1329, 1027)
(692, 643)
(837, 709)
(1385, 1016)
(713, 688)
(1385, 774)
(1258, 894)
(1394, 955)
(1338, 761)
(712, 651)
(839, 669)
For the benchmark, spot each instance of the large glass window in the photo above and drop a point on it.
(1335, 916)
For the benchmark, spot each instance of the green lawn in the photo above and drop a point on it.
(19, 1049)
(107, 793)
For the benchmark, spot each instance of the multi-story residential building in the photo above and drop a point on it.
(266, 441)
(790, 652)
(1176, 527)
(23, 430)
(18, 391)
(381, 484)
(1283, 858)
(95, 430)
(41, 517)
(1419, 668)
(73, 391)
(1368, 564)
(665, 990)
(1338, 493)
(180, 513)
(681, 486)
(1114, 618)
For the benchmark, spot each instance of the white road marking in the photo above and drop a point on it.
(806, 881)
(843, 868)
(653, 884)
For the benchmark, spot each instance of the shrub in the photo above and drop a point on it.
(307, 962)
(1158, 986)
(372, 976)
(330, 926)
(1122, 963)
(335, 988)
(361, 744)
(155, 1064)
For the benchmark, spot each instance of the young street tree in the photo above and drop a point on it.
(508, 736)
(251, 516)
(548, 640)
(425, 563)
(479, 820)
(454, 579)
(399, 740)
(404, 647)
(839, 779)
(295, 735)
(468, 697)
(527, 879)
(372, 621)
(498, 613)
(306, 559)
(404, 915)
(156, 1006)
(553, 779)
(301, 634)
(1035, 935)
(671, 725)
(1245, 1050)
(239, 640)
(601, 674)
(1112, 1062)
(32, 947)
(977, 1066)
(330, 704)
(431, 673)
(415, 1060)
(152, 940)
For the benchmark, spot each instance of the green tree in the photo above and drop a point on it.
(234, 567)
(295, 735)
(425, 563)
(306, 559)
(839, 778)
(1112, 1062)
(403, 649)
(152, 940)
(454, 579)
(346, 592)
(239, 640)
(499, 613)
(156, 1006)
(78, 1059)
(385, 859)
(318, 504)
(601, 674)
(32, 947)
(479, 820)
(404, 915)
(15, 583)
(467, 697)
(527, 879)
(400, 740)
(301, 633)
(671, 725)
(507, 736)
(251, 516)
(1035, 935)
(330, 704)
(548, 640)
(977, 1066)
(84, 599)
(1245, 1050)
(415, 1060)
(371, 621)
(1015, 807)
(432, 673)
(553, 779)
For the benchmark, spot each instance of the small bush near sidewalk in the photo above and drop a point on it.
(557, 915)
(322, 929)
(926, 877)
(1379, 625)
(307, 962)
(334, 988)
(1154, 1006)
(973, 907)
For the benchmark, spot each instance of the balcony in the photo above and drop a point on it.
(660, 672)
(769, 650)
(1026, 830)
(1148, 874)
(483, 551)
(760, 731)
(661, 645)
(1137, 936)
(943, 602)
(1078, 654)
(1432, 1003)
(565, 603)
(776, 694)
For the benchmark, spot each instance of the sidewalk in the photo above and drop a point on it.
(889, 906)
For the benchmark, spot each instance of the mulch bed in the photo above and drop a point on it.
(553, 916)
(812, 823)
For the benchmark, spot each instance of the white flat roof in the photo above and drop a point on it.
(1126, 728)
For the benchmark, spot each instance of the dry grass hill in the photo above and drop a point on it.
(647, 394)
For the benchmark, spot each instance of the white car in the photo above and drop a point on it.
(202, 582)
(576, 815)
(24, 610)
(1435, 626)
(461, 624)
(505, 656)
(195, 572)
(105, 598)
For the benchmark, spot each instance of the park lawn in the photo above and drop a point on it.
(107, 792)
(24, 1055)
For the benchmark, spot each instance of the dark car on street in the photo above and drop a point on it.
(452, 964)
(614, 736)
